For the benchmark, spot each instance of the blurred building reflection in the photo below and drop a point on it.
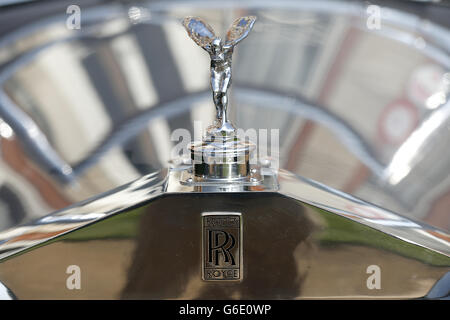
(107, 98)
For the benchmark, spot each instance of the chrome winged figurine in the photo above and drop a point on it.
(221, 53)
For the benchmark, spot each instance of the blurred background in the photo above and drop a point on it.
(359, 92)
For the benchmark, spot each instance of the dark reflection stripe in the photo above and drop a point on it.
(103, 87)
(163, 70)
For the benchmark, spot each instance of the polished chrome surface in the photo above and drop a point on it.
(305, 241)
(223, 157)
(82, 214)
(363, 111)
(353, 105)
(5, 293)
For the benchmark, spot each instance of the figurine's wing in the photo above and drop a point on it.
(199, 31)
(239, 30)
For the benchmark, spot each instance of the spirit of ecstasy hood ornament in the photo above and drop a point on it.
(221, 156)
(221, 53)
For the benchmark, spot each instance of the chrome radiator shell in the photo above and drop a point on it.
(300, 240)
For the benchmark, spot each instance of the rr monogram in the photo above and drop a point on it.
(220, 242)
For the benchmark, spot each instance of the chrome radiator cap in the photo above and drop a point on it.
(221, 155)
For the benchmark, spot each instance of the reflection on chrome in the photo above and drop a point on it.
(305, 231)
(361, 114)
(5, 293)
(22, 49)
(416, 145)
(79, 215)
